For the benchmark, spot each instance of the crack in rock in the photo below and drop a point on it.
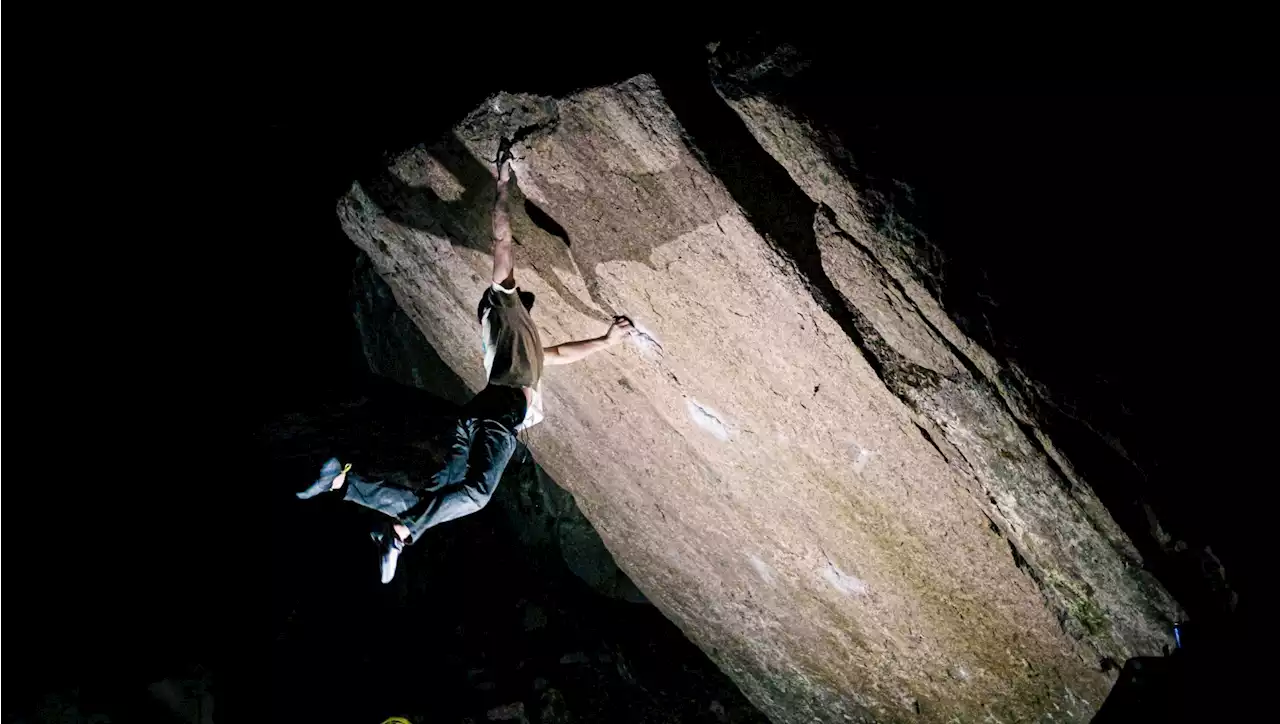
(707, 419)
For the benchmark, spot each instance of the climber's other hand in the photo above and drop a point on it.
(619, 330)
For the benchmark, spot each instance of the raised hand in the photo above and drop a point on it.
(504, 161)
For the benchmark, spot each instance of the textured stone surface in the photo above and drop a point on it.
(973, 407)
(802, 462)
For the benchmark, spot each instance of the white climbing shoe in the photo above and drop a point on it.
(332, 475)
(389, 548)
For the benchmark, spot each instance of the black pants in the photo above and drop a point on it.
(483, 441)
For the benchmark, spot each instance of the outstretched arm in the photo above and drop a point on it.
(503, 253)
(563, 354)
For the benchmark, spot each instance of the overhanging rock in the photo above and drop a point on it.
(799, 462)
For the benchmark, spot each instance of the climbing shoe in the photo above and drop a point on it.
(330, 473)
(389, 548)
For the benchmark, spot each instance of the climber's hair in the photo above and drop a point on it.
(526, 298)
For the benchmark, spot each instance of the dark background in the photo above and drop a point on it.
(177, 275)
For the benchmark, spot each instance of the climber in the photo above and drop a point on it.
(485, 435)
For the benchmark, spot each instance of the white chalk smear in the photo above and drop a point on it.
(843, 582)
(645, 341)
(860, 462)
(707, 419)
(761, 568)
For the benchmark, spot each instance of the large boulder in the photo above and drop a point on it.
(800, 460)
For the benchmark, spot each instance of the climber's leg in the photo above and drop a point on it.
(332, 475)
(455, 462)
(490, 452)
(503, 250)
(386, 498)
(394, 500)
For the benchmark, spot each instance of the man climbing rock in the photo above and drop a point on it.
(485, 435)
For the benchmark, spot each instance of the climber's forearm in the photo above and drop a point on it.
(503, 251)
(563, 354)
(503, 263)
(501, 220)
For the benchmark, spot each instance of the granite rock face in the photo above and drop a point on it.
(979, 411)
(801, 460)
